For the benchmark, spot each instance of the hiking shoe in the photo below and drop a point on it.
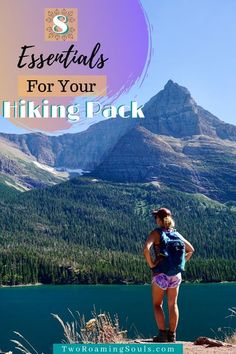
(171, 336)
(161, 337)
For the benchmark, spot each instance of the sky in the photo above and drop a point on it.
(194, 44)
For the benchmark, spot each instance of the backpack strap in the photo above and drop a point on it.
(155, 245)
(158, 229)
(163, 241)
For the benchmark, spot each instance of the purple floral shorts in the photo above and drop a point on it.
(167, 281)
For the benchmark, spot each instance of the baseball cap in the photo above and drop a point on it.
(161, 213)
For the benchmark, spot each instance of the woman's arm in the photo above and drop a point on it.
(153, 236)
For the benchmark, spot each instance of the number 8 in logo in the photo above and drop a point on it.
(60, 24)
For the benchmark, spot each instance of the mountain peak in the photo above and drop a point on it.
(170, 83)
(173, 87)
(173, 99)
(172, 94)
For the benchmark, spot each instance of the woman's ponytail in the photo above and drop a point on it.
(168, 222)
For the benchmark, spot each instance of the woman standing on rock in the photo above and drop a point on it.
(172, 250)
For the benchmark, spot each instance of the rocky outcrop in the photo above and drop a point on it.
(9, 167)
(201, 345)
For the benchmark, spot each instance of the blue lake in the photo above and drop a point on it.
(203, 310)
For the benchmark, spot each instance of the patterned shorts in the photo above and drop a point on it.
(167, 281)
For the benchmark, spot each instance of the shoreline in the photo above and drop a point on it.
(125, 284)
(22, 285)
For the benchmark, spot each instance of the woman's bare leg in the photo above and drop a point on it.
(157, 299)
(172, 296)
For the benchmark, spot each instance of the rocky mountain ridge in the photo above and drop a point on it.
(172, 112)
(200, 164)
(178, 144)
